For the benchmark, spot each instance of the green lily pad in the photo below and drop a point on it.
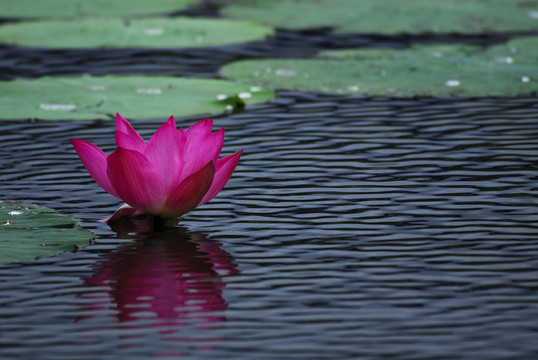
(448, 70)
(135, 97)
(28, 231)
(62, 8)
(119, 33)
(392, 16)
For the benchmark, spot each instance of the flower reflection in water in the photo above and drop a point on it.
(164, 279)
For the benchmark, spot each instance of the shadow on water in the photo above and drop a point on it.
(167, 277)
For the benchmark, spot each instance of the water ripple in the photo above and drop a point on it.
(353, 228)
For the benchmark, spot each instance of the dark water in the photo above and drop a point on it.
(353, 228)
(21, 62)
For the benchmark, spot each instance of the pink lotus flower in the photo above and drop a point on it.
(170, 175)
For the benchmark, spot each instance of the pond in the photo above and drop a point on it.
(354, 227)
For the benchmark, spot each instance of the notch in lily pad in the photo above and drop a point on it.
(29, 231)
(234, 104)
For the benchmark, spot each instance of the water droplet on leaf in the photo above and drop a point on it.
(504, 59)
(153, 31)
(452, 83)
(150, 91)
(96, 88)
(284, 72)
(58, 107)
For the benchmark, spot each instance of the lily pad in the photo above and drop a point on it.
(392, 16)
(63, 8)
(135, 97)
(28, 231)
(447, 70)
(119, 33)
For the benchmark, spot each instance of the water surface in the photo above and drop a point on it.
(352, 228)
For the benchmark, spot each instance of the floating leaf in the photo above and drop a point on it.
(392, 16)
(118, 33)
(28, 231)
(135, 97)
(62, 8)
(447, 70)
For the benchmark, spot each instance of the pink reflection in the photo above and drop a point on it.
(169, 276)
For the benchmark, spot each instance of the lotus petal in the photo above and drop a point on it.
(123, 211)
(165, 151)
(223, 171)
(126, 136)
(94, 160)
(189, 193)
(127, 142)
(137, 181)
(200, 129)
(201, 147)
